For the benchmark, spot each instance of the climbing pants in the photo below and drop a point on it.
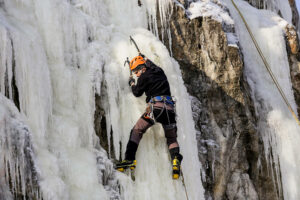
(162, 113)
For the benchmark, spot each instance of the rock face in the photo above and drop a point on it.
(230, 147)
(295, 19)
(294, 61)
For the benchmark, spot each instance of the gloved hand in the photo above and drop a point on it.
(131, 81)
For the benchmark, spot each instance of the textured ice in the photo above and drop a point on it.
(60, 53)
(278, 6)
(17, 162)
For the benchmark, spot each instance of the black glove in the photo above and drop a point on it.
(131, 81)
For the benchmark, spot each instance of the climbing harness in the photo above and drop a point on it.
(149, 112)
(166, 100)
(266, 64)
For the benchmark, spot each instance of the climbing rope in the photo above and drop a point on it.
(186, 194)
(266, 64)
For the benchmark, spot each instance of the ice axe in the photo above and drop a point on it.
(137, 48)
(127, 62)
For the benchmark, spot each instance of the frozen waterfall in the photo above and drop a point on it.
(58, 54)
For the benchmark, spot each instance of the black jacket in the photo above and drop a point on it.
(153, 82)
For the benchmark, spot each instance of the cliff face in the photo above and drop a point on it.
(221, 107)
(294, 61)
(230, 147)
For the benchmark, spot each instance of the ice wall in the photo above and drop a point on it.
(278, 128)
(153, 174)
(60, 53)
(17, 165)
(279, 6)
(54, 48)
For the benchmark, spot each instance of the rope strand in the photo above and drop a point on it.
(266, 64)
(186, 194)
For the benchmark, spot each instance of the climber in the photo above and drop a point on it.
(161, 108)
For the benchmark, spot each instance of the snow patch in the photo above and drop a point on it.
(208, 8)
(217, 11)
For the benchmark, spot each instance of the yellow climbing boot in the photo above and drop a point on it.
(175, 168)
(125, 164)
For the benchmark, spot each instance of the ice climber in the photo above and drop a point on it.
(161, 108)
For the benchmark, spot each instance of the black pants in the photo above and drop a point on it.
(162, 113)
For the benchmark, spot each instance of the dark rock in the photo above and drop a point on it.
(100, 127)
(292, 43)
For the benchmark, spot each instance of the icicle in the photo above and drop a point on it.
(60, 50)
(14, 143)
(278, 6)
(164, 9)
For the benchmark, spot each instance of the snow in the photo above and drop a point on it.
(217, 11)
(208, 8)
(278, 128)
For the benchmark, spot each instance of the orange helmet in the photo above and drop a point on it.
(136, 61)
